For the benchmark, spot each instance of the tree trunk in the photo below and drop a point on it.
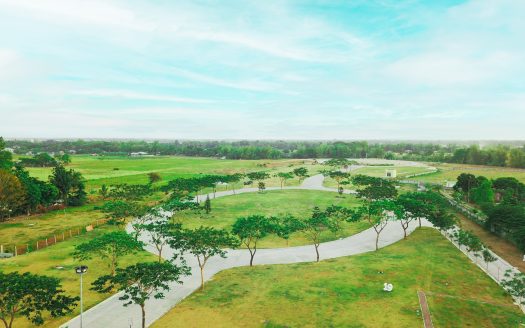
(252, 255)
(377, 242)
(160, 254)
(143, 316)
(317, 251)
(113, 265)
(202, 277)
(419, 219)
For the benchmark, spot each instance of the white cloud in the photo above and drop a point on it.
(124, 94)
(91, 12)
(449, 68)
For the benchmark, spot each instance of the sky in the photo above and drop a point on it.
(385, 69)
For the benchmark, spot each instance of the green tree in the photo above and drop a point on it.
(259, 176)
(338, 176)
(130, 192)
(514, 284)
(232, 179)
(377, 213)
(287, 225)
(111, 246)
(30, 295)
(468, 239)
(104, 191)
(483, 193)
(160, 233)
(516, 158)
(261, 186)
(301, 173)
(142, 281)
(6, 158)
(283, 176)
(372, 188)
(251, 229)
(413, 207)
(119, 210)
(465, 183)
(488, 257)
(207, 205)
(319, 222)
(70, 184)
(203, 243)
(12, 194)
(64, 159)
(154, 177)
(339, 163)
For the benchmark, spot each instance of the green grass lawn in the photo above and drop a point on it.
(24, 230)
(347, 292)
(45, 261)
(450, 172)
(380, 172)
(299, 203)
(123, 169)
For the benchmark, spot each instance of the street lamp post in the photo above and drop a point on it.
(81, 270)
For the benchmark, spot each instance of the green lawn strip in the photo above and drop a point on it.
(123, 169)
(29, 229)
(450, 172)
(379, 171)
(347, 292)
(44, 262)
(299, 203)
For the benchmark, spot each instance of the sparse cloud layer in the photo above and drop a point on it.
(262, 69)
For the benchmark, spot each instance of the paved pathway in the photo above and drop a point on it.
(425, 312)
(110, 313)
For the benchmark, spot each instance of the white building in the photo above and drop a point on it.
(391, 173)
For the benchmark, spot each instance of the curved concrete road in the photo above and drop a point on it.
(111, 313)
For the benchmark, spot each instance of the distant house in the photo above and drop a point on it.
(391, 173)
(11, 150)
(29, 153)
(72, 151)
(450, 184)
(139, 153)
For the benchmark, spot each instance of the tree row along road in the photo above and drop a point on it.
(111, 313)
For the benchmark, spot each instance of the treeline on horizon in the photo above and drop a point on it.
(493, 155)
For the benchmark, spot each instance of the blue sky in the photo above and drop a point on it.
(262, 69)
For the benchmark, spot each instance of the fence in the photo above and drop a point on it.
(20, 249)
(465, 210)
(495, 270)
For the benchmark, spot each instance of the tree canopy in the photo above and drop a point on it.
(31, 295)
(142, 281)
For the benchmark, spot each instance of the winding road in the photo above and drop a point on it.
(111, 313)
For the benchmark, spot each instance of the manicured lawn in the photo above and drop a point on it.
(45, 261)
(347, 292)
(450, 172)
(123, 169)
(299, 203)
(380, 172)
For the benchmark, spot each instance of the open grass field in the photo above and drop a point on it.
(133, 170)
(450, 172)
(347, 292)
(45, 261)
(299, 203)
(26, 230)
(402, 171)
(101, 170)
